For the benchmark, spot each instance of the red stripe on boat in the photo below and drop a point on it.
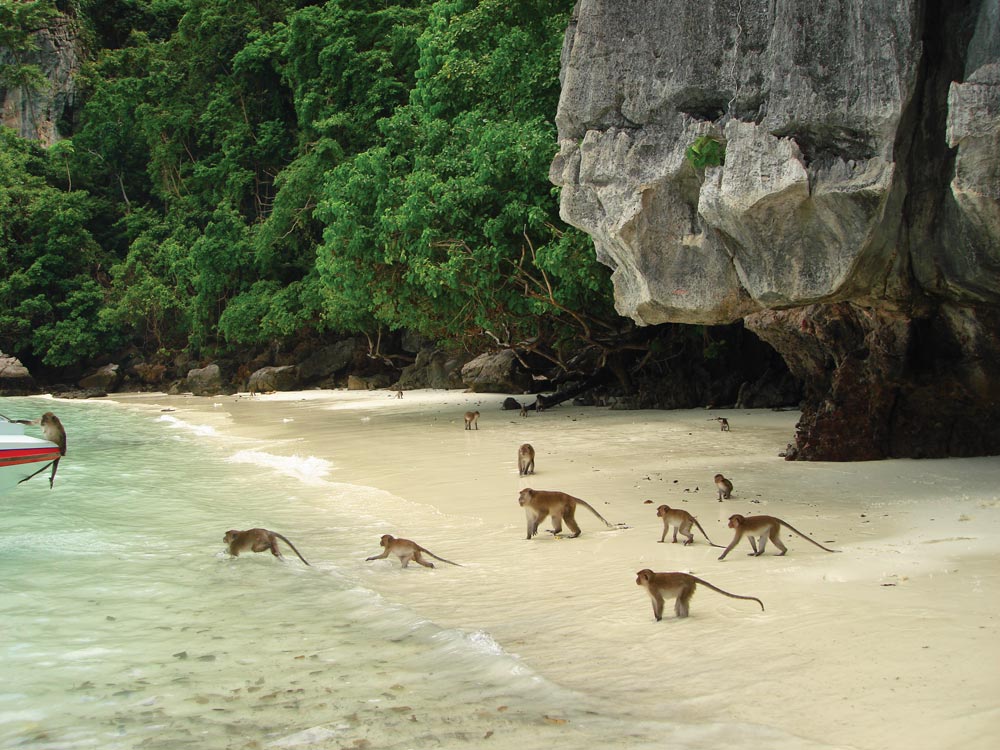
(16, 456)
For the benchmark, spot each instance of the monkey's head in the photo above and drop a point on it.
(662, 510)
(719, 478)
(230, 535)
(386, 540)
(735, 521)
(525, 496)
(643, 577)
(49, 418)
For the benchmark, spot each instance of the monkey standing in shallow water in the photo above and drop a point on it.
(766, 527)
(406, 550)
(679, 585)
(526, 459)
(471, 418)
(538, 504)
(257, 540)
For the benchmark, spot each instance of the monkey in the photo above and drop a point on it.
(406, 550)
(679, 585)
(723, 424)
(765, 527)
(257, 540)
(526, 459)
(538, 504)
(524, 411)
(399, 394)
(54, 432)
(471, 418)
(725, 487)
(681, 520)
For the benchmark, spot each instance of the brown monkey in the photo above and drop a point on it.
(54, 432)
(538, 504)
(524, 410)
(764, 527)
(257, 540)
(471, 418)
(725, 487)
(723, 424)
(399, 394)
(682, 521)
(406, 550)
(526, 459)
(679, 585)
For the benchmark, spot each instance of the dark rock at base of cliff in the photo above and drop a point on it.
(882, 384)
(433, 368)
(266, 379)
(205, 381)
(104, 378)
(15, 380)
(496, 372)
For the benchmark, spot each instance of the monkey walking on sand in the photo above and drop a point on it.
(725, 487)
(54, 432)
(257, 540)
(471, 418)
(678, 585)
(764, 527)
(406, 550)
(538, 504)
(682, 521)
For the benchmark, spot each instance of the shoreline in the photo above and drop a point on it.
(890, 644)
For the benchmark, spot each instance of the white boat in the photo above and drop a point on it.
(21, 455)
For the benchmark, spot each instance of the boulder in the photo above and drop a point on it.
(15, 380)
(205, 381)
(284, 378)
(496, 372)
(433, 368)
(104, 378)
(329, 360)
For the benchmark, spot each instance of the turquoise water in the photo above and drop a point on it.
(124, 624)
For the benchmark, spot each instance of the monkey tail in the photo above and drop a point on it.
(590, 507)
(285, 540)
(440, 558)
(726, 593)
(808, 539)
(706, 535)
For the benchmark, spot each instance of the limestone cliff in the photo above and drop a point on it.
(855, 221)
(34, 111)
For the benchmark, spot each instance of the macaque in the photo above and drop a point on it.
(725, 487)
(723, 424)
(538, 504)
(54, 432)
(257, 540)
(399, 394)
(526, 459)
(679, 585)
(682, 521)
(763, 527)
(406, 550)
(471, 418)
(524, 410)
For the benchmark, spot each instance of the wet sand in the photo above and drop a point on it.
(894, 642)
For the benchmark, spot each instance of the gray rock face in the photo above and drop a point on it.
(15, 380)
(104, 378)
(34, 112)
(205, 381)
(496, 372)
(861, 165)
(284, 378)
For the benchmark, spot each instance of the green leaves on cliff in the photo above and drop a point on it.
(259, 170)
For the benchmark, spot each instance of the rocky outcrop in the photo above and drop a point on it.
(33, 111)
(433, 368)
(205, 381)
(267, 379)
(15, 380)
(853, 220)
(496, 372)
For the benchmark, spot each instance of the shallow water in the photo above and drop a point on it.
(125, 625)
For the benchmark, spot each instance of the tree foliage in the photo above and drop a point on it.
(238, 173)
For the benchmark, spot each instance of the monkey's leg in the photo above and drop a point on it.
(404, 560)
(557, 520)
(686, 531)
(753, 545)
(777, 542)
(571, 522)
(418, 558)
(657, 606)
(761, 543)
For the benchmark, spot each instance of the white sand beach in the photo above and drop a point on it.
(894, 642)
